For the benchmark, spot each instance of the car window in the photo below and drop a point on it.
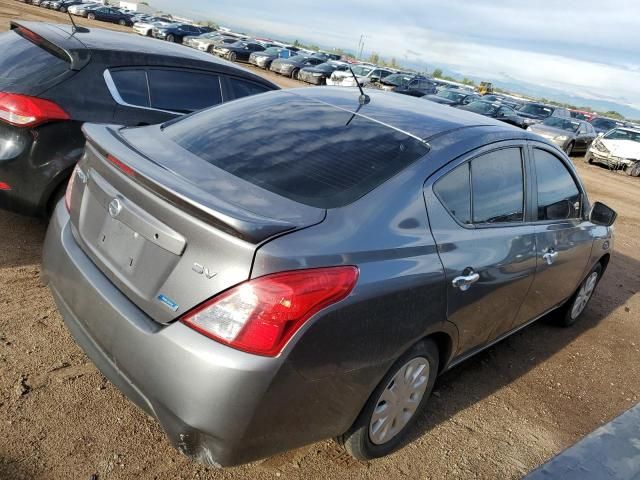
(454, 191)
(183, 91)
(327, 163)
(25, 63)
(583, 128)
(243, 88)
(558, 196)
(132, 86)
(498, 187)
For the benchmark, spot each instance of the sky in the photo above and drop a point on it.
(585, 52)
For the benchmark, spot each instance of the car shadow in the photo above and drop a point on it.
(20, 240)
(505, 362)
(15, 470)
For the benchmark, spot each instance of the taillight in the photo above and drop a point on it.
(124, 168)
(25, 111)
(69, 192)
(5, 186)
(261, 315)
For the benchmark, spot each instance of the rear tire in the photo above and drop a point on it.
(63, 9)
(402, 393)
(122, 22)
(634, 171)
(171, 38)
(233, 57)
(578, 303)
(588, 158)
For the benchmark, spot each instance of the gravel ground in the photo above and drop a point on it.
(498, 415)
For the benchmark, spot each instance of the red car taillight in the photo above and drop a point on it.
(26, 111)
(261, 315)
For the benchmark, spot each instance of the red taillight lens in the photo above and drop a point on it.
(5, 186)
(261, 315)
(124, 168)
(25, 111)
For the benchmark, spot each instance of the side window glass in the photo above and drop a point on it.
(498, 187)
(242, 88)
(132, 86)
(454, 192)
(558, 196)
(183, 91)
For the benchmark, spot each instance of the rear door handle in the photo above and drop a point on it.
(550, 257)
(464, 282)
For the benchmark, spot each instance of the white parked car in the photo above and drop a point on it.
(146, 28)
(73, 9)
(364, 73)
(618, 149)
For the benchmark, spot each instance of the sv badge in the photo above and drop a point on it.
(202, 270)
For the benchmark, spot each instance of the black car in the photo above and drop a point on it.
(604, 124)
(238, 51)
(63, 5)
(496, 110)
(291, 66)
(124, 79)
(504, 100)
(453, 97)
(408, 84)
(177, 31)
(106, 14)
(533, 113)
(318, 74)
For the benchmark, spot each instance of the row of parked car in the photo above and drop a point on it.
(261, 269)
(571, 130)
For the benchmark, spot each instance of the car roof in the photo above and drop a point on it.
(412, 116)
(81, 45)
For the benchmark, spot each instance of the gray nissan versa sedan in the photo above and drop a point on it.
(296, 266)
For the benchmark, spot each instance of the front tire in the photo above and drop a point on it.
(171, 38)
(233, 57)
(569, 149)
(578, 303)
(122, 22)
(91, 16)
(294, 74)
(63, 9)
(388, 415)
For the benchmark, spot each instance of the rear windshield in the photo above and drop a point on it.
(24, 63)
(309, 152)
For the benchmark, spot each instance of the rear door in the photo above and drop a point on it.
(563, 233)
(477, 212)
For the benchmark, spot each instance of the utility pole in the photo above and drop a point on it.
(360, 46)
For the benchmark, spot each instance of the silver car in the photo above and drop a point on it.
(302, 264)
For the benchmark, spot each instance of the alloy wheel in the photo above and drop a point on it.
(399, 400)
(584, 295)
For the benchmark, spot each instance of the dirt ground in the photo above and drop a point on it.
(497, 416)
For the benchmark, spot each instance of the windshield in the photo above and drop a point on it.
(327, 163)
(361, 71)
(483, 108)
(455, 96)
(538, 110)
(562, 123)
(398, 80)
(620, 134)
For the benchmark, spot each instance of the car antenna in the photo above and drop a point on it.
(74, 27)
(363, 99)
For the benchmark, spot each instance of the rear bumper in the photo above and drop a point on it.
(204, 394)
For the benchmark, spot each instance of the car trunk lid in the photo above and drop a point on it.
(170, 231)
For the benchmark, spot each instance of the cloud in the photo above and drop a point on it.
(583, 47)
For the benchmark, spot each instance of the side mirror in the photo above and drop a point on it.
(602, 215)
(559, 210)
